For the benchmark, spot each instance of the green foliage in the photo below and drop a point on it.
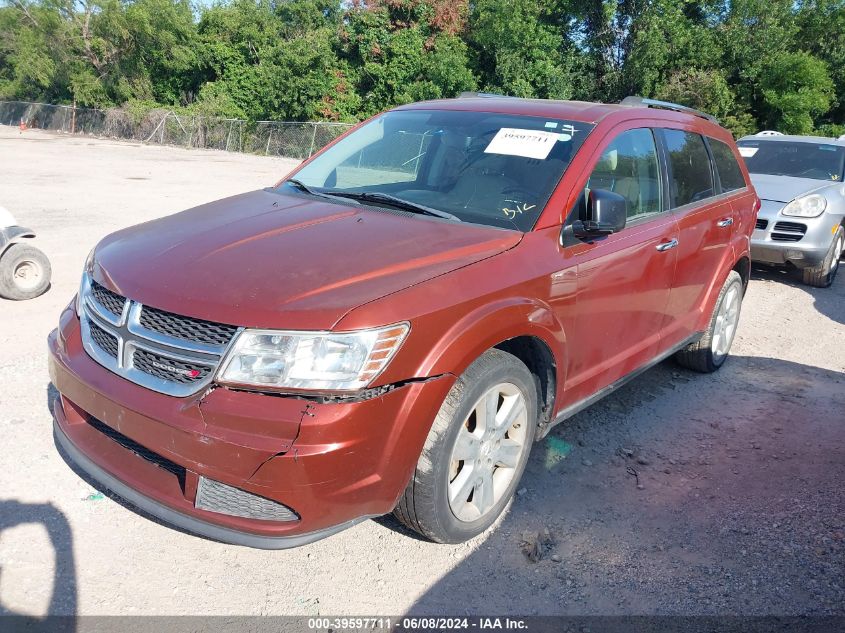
(670, 41)
(709, 92)
(137, 110)
(27, 67)
(520, 50)
(214, 100)
(821, 32)
(752, 63)
(402, 54)
(302, 79)
(164, 46)
(832, 130)
(796, 87)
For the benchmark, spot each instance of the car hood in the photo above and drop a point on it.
(786, 188)
(262, 259)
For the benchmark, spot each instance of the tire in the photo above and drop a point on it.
(425, 506)
(701, 355)
(24, 273)
(822, 276)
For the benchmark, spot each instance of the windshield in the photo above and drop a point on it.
(819, 161)
(480, 167)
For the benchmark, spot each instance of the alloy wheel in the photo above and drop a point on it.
(726, 322)
(487, 450)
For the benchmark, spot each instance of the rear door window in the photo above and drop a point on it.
(730, 175)
(629, 167)
(691, 177)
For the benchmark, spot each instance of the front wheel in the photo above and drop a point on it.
(710, 351)
(822, 276)
(24, 273)
(475, 453)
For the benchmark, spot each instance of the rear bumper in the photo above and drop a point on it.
(333, 464)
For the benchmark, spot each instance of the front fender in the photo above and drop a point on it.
(11, 234)
(489, 325)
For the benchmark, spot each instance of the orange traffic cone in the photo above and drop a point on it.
(23, 125)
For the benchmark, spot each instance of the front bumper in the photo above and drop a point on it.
(780, 239)
(333, 464)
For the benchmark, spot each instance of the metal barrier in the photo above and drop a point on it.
(291, 139)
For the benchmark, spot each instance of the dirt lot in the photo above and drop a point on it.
(740, 509)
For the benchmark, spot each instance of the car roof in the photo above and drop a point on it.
(583, 111)
(794, 138)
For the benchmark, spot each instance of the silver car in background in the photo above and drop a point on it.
(800, 182)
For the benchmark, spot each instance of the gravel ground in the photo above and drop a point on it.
(679, 494)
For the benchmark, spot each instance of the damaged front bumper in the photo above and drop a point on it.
(261, 470)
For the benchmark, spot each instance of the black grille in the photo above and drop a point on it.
(218, 497)
(169, 368)
(104, 340)
(111, 301)
(761, 224)
(141, 451)
(791, 226)
(788, 231)
(187, 328)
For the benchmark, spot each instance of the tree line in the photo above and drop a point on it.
(755, 64)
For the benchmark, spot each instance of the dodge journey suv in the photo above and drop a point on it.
(393, 325)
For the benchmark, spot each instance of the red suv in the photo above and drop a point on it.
(395, 324)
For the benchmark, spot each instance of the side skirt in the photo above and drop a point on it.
(572, 409)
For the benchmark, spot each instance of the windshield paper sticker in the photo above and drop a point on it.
(526, 143)
(748, 152)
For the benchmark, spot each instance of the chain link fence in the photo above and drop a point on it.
(291, 139)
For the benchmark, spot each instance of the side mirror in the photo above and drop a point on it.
(606, 213)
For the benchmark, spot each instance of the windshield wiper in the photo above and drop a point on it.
(309, 190)
(393, 201)
(374, 196)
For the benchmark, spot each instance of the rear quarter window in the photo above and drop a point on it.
(692, 178)
(730, 175)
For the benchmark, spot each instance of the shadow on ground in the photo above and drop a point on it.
(740, 507)
(63, 597)
(828, 301)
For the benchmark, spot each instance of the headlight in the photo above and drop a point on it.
(806, 207)
(329, 361)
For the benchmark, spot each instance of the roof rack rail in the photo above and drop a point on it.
(483, 95)
(666, 105)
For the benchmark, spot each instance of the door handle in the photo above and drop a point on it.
(665, 246)
(725, 222)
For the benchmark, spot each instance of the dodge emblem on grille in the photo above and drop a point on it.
(158, 350)
(191, 373)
